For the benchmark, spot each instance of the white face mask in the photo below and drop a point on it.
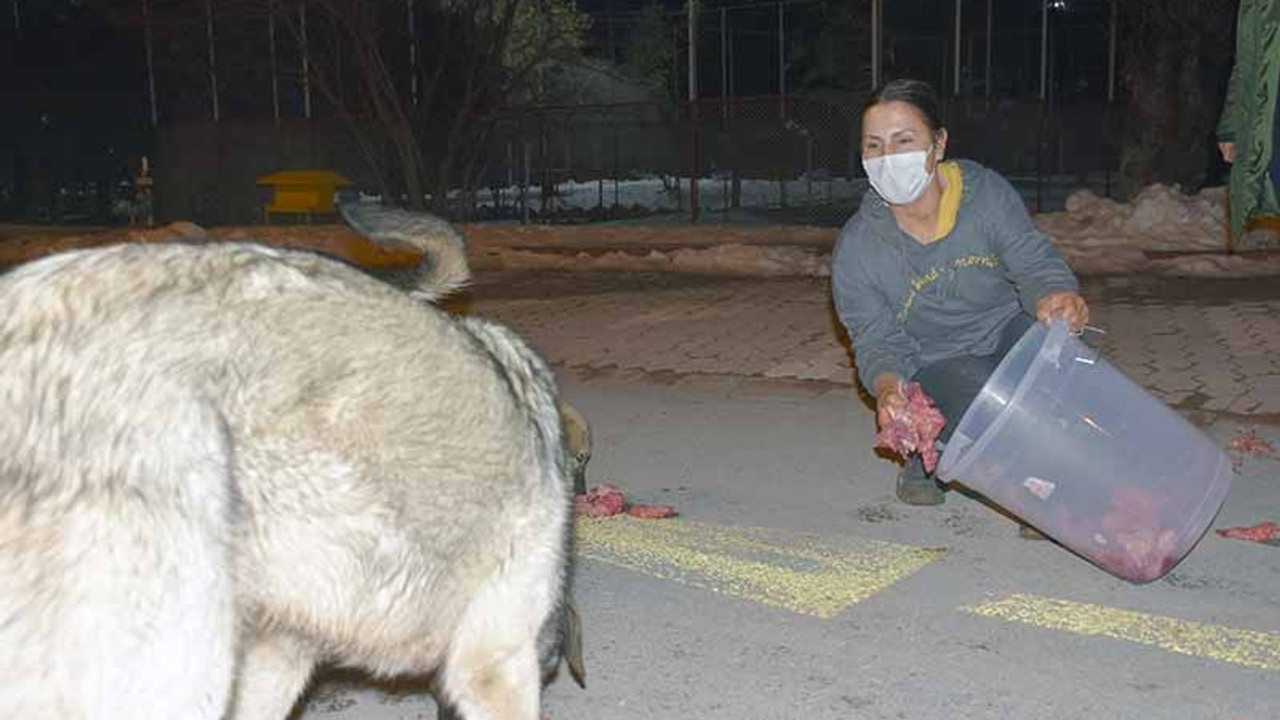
(899, 178)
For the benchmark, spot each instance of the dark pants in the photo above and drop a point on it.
(954, 383)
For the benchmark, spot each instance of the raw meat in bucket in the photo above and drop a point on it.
(914, 429)
(1138, 547)
(607, 500)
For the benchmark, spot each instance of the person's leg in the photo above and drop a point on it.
(1009, 337)
(952, 384)
(1012, 333)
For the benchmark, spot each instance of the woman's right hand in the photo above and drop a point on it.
(891, 398)
(1228, 150)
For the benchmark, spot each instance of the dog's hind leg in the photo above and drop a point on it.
(273, 673)
(492, 671)
(495, 682)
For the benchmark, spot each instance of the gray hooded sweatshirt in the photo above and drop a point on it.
(908, 305)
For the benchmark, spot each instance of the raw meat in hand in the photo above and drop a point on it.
(915, 428)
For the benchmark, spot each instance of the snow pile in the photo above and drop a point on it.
(1160, 218)
(1219, 266)
(175, 231)
(731, 259)
(34, 241)
(672, 193)
(1160, 232)
(1098, 235)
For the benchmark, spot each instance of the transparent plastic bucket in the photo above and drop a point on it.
(1069, 444)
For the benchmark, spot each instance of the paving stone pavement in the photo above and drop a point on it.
(1216, 349)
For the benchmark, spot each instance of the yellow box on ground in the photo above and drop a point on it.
(800, 572)
(1251, 648)
(301, 192)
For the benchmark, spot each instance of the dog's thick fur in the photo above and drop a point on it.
(221, 465)
(443, 266)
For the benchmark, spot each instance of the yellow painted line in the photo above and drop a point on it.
(796, 571)
(1251, 648)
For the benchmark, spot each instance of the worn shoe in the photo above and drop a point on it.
(916, 487)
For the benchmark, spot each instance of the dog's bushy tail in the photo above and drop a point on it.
(443, 268)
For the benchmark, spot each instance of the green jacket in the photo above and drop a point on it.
(1249, 114)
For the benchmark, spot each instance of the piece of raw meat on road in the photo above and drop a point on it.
(600, 501)
(607, 501)
(1267, 532)
(1251, 444)
(651, 512)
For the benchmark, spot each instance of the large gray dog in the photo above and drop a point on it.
(221, 465)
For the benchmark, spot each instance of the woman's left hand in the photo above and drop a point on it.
(1066, 306)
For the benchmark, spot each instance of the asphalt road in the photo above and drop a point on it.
(794, 587)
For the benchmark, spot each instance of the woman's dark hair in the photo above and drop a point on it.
(916, 93)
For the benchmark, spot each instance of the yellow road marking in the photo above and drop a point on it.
(1251, 648)
(796, 571)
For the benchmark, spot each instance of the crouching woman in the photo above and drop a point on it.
(939, 272)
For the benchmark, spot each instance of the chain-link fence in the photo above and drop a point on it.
(749, 154)
(776, 158)
(770, 159)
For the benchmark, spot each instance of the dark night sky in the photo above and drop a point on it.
(918, 39)
(69, 73)
(70, 83)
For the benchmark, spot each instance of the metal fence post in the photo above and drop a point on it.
(275, 71)
(1111, 53)
(987, 49)
(306, 60)
(877, 30)
(955, 87)
(213, 61)
(524, 191)
(782, 62)
(724, 64)
(693, 111)
(599, 167)
(147, 43)
(693, 162)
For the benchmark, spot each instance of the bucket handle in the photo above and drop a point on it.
(1090, 360)
(1051, 351)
